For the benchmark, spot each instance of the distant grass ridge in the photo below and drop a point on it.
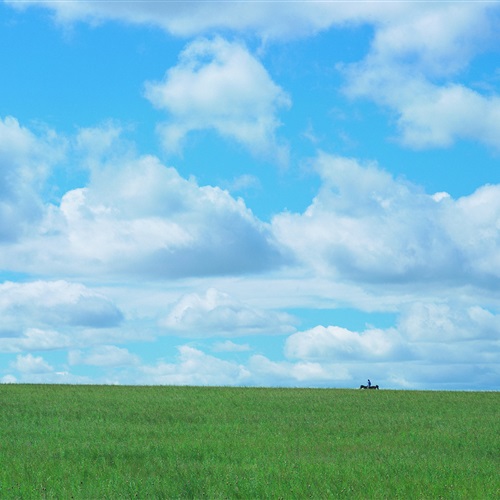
(62, 441)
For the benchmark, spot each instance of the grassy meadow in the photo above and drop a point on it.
(62, 441)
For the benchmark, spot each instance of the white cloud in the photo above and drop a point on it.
(412, 69)
(267, 19)
(27, 307)
(217, 313)
(446, 322)
(25, 161)
(219, 85)
(368, 227)
(31, 364)
(34, 339)
(435, 39)
(434, 344)
(302, 373)
(151, 222)
(42, 374)
(104, 356)
(194, 367)
(473, 224)
(429, 115)
(340, 344)
(402, 24)
(56, 315)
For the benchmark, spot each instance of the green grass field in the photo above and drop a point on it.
(189, 442)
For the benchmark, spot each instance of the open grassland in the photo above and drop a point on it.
(188, 442)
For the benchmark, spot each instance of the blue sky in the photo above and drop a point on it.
(250, 193)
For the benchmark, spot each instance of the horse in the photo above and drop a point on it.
(368, 387)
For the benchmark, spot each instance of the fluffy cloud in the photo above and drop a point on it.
(217, 313)
(50, 315)
(36, 370)
(138, 217)
(429, 115)
(25, 160)
(219, 85)
(436, 39)
(31, 364)
(163, 225)
(302, 373)
(410, 69)
(446, 322)
(103, 356)
(25, 307)
(439, 344)
(194, 367)
(366, 226)
(335, 343)
(33, 339)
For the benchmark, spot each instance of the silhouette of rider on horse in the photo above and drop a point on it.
(369, 386)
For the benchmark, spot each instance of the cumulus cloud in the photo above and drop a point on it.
(35, 370)
(217, 313)
(31, 364)
(429, 115)
(194, 367)
(152, 222)
(25, 161)
(301, 373)
(28, 308)
(366, 226)
(420, 38)
(163, 225)
(445, 322)
(433, 344)
(411, 68)
(219, 85)
(335, 343)
(103, 356)
(33, 339)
